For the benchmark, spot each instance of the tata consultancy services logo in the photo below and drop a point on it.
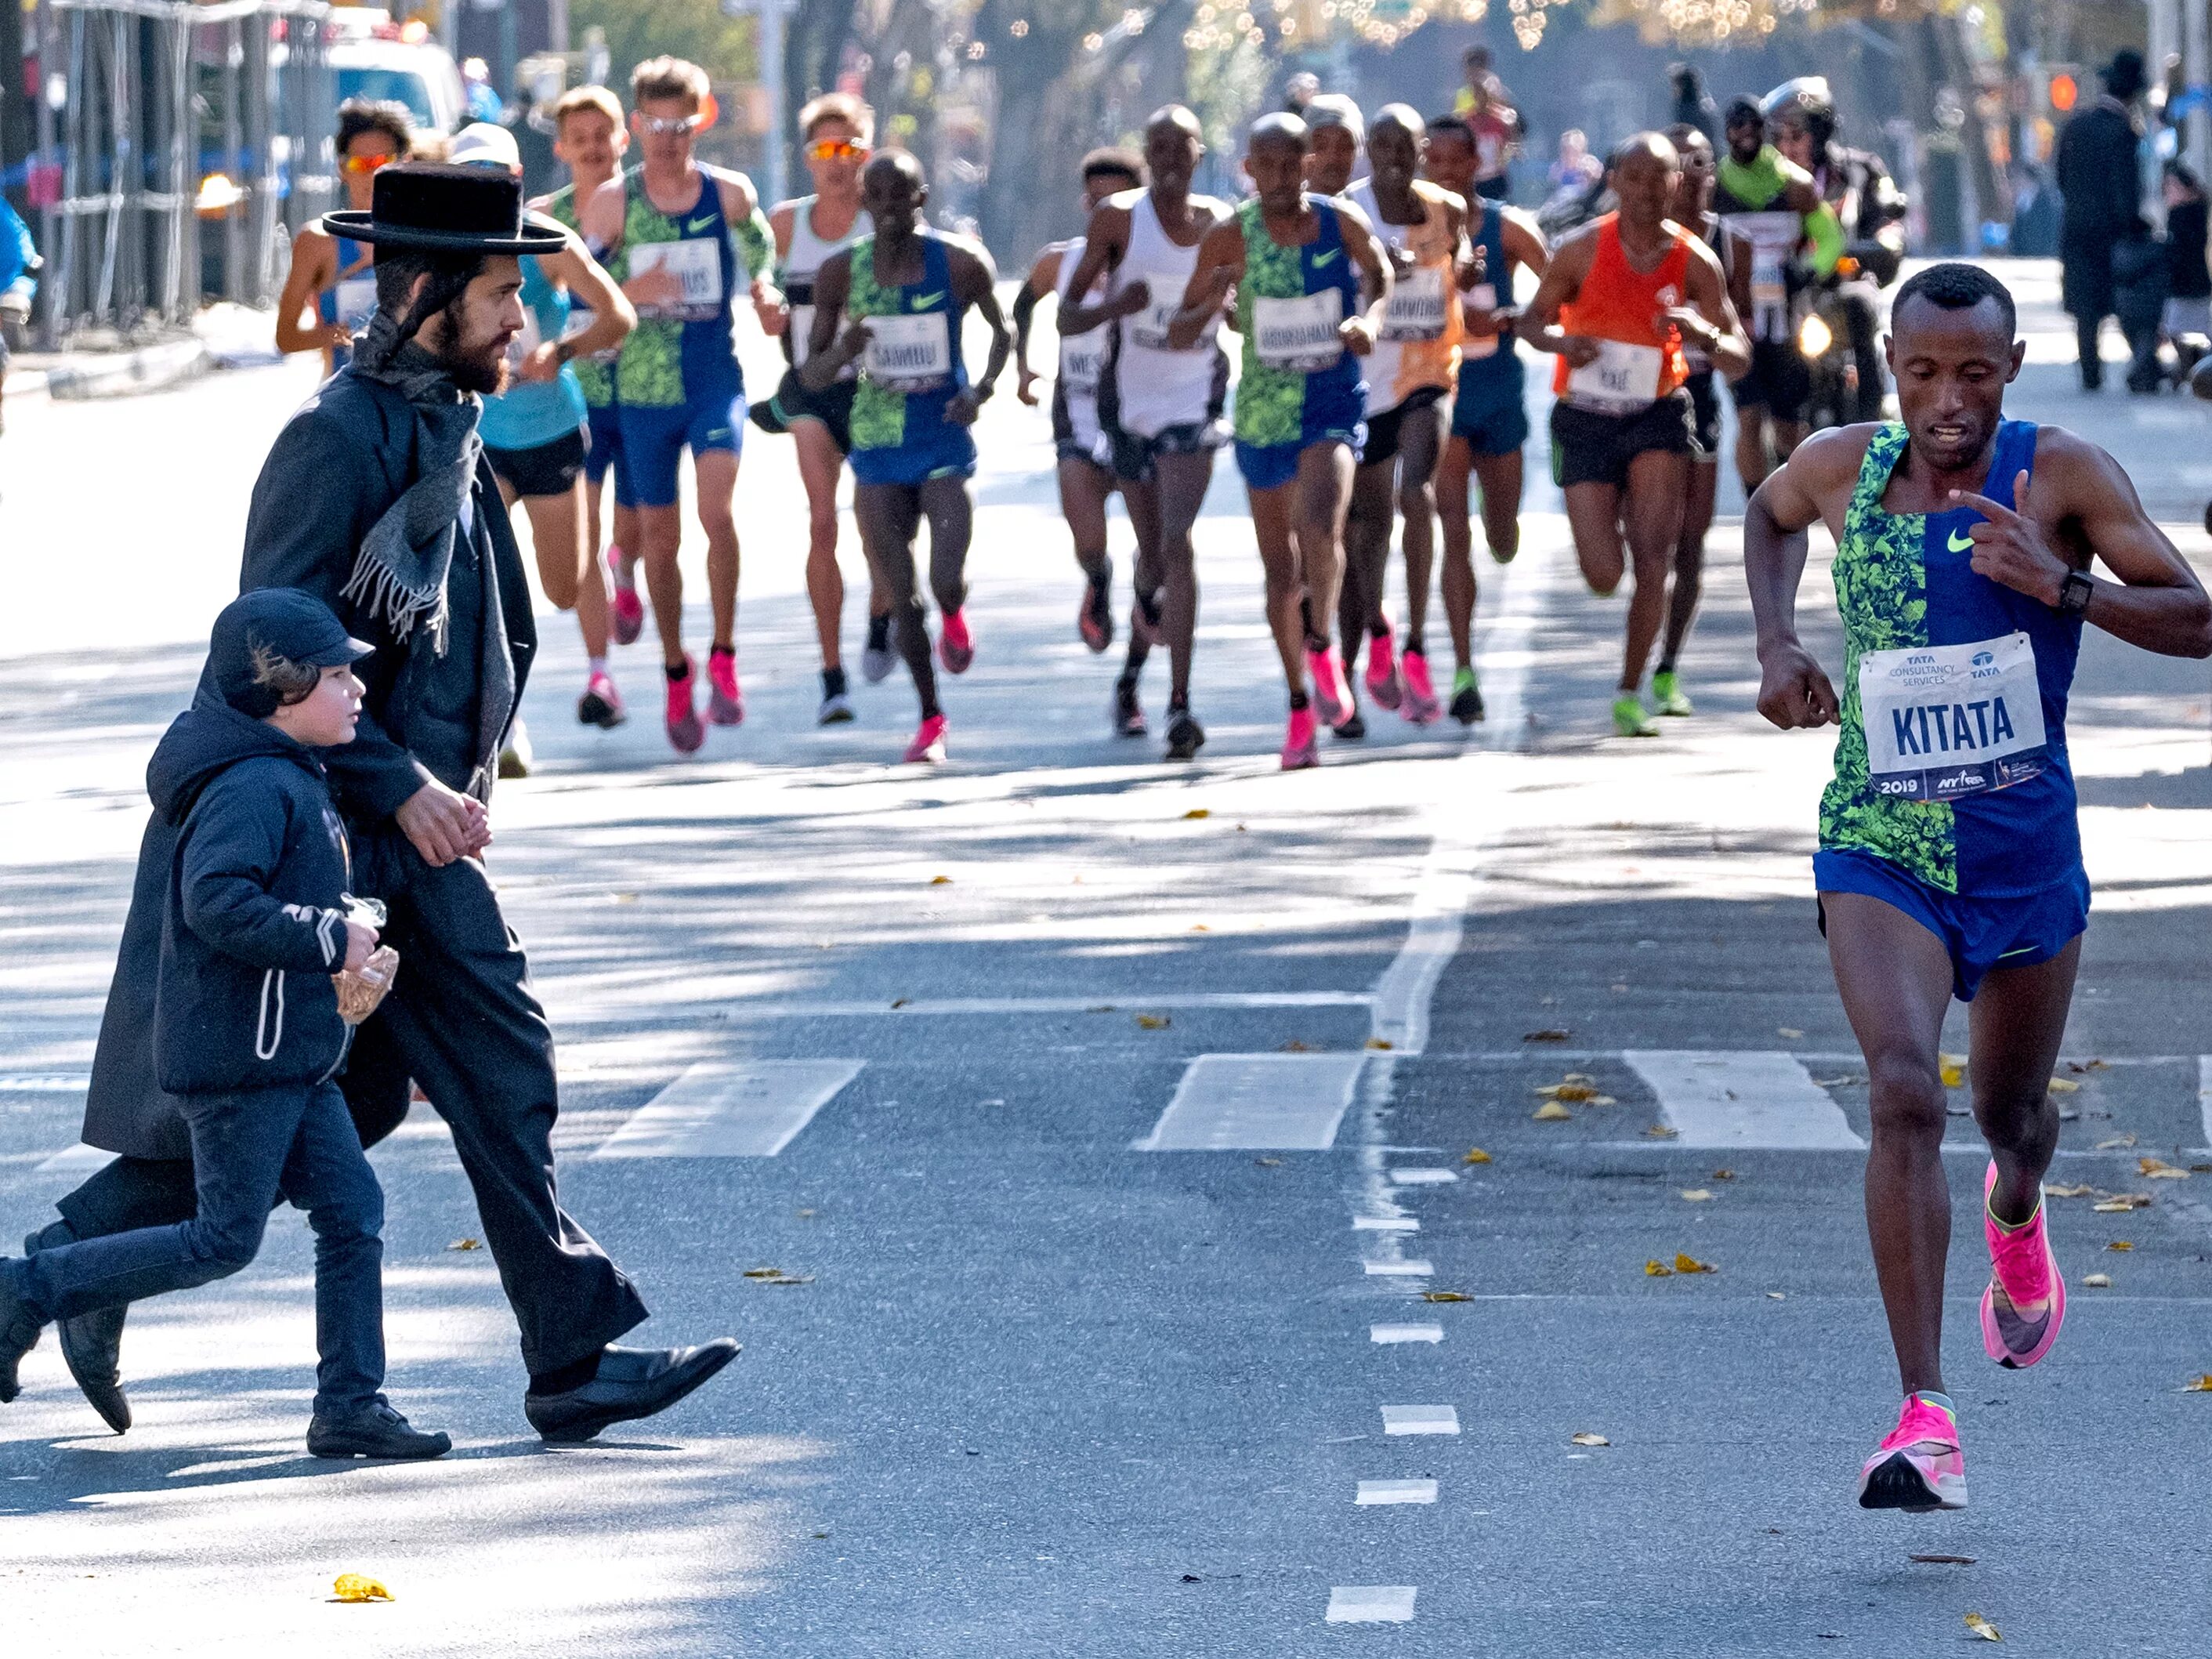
(1983, 658)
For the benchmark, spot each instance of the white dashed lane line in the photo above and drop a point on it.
(731, 1109)
(1396, 1491)
(1372, 1604)
(1420, 1419)
(1399, 1269)
(1257, 1103)
(1735, 1100)
(1393, 1333)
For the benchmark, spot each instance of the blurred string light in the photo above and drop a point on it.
(1222, 24)
(1711, 22)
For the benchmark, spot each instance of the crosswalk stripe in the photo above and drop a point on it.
(1257, 1103)
(1735, 1100)
(1396, 1491)
(1405, 1332)
(731, 1109)
(1420, 1419)
(2204, 1094)
(1371, 1604)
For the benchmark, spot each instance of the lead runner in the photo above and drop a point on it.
(1950, 861)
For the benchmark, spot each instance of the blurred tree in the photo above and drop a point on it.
(694, 29)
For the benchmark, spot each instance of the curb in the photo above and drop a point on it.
(148, 369)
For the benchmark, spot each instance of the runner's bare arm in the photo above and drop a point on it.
(613, 317)
(754, 241)
(1043, 275)
(1220, 263)
(600, 219)
(781, 219)
(975, 283)
(1104, 242)
(300, 326)
(1524, 244)
(2076, 505)
(1562, 281)
(1794, 690)
(827, 350)
(1709, 319)
(1362, 248)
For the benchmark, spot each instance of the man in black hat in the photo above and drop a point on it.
(377, 500)
(2102, 232)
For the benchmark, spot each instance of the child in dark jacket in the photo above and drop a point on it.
(247, 1033)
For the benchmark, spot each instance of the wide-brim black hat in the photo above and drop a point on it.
(440, 209)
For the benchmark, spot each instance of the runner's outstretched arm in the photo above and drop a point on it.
(1562, 281)
(827, 350)
(2082, 492)
(975, 283)
(314, 268)
(1710, 318)
(613, 317)
(1043, 276)
(1105, 240)
(1365, 253)
(1220, 263)
(1793, 690)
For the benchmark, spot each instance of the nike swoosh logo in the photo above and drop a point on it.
(1323, 258)
(1959, 541)
(923, 302)
(693, 226)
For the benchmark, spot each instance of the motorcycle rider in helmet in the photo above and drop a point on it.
(1801, 113)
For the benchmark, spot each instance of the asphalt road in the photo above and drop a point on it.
(1045, 1387)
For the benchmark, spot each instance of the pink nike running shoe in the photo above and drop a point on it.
(2023, 1272)
(1421, 706)
(685, 734)
(1920, 1465)
(929, 743)
(1383, 686)
(1332, 697)
(1301, 745)
(726, 699)
(628, 608)
(955, 646)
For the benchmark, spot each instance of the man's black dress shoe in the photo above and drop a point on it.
(632, 1383)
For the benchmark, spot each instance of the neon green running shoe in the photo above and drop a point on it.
(1667, 697)
(1466, 697)
(1630, 718)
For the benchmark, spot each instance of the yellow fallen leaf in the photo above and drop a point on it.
(2098, 1281)
(1380, 1043)
(1790, 1031)
(2063, 1085)
(1982, 1627)
(1587, 1439)
(1575, 1089)
(464, 1244)
(1657, 1269)
(1952, 1076)
(1445, 1295)
(1689, 1264)
(359, 1587)
(2159, 1169)
(940, 881)
(1153, 1022)
(1696, 1195)
(2121, 1203)
(1199, 812)
(1550, 1112)
(1200, 927)
(2116, 1143)
(2120, 1244)
(1476, 1155)
(2202, 1385)
(1660, 1131)
(2082, 1191)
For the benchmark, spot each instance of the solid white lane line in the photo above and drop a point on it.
(1131, 1004)
(1423, 1177)
(44, 1083)
(2204, 1094)
(1371, 1604)
(1420, 1419)
(1399, 1269)
(731, 1109)
(1725, 1100)
(1385, 1224)
(1405, 1332)
(1257, 1103)
(1396, 1491)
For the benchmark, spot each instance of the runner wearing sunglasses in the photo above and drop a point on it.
(331, 289)
(684, 241)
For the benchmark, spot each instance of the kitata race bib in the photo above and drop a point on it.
(696, 265)
(909, 353)
(1416, 307)
(1163, 304)
(1299, 335)
(1947, 720)
(1620, 380)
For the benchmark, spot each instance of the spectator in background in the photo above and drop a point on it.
(2101, 227)
(2187, 322)
(1487, 105)
(17, 255)
(1693, 104)
(1299, 91)
(1577, 169)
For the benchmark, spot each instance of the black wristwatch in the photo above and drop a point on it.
(2074, 593)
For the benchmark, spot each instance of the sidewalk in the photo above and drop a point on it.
(222, 335)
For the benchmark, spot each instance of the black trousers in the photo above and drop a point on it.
(463, 1022)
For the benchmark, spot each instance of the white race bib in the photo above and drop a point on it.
(1149, 327)
(1298, 336)
(1947, 720)
(697, 264)
(1483, 296)
(1773, 237)
(909, 353)
(356, 300)
(1620, 380)
(1082, 361)
(1416, 307)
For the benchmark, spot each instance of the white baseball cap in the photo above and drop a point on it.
(485, 144)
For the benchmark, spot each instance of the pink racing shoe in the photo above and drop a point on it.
(726, 699)
(601, 705)
(1382, 683)
(629, 609)
(928, 745)
(955, 646)
(1332, 697)
(1421, 706)
(1301, 745)
(2023, 1276)
(1919, 1467)
(685, 734)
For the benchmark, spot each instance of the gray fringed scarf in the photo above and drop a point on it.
(400, 575)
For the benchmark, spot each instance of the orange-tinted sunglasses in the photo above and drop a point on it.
(836, 150)
(360, 164)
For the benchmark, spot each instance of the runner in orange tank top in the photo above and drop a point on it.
(1621, 298)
